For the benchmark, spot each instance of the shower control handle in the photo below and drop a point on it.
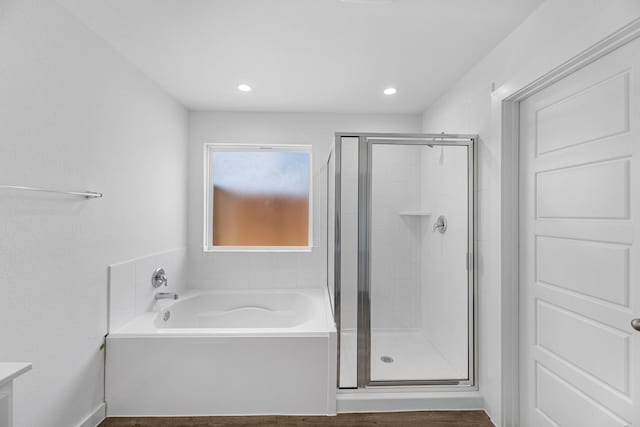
(440, 224)
(635, 324)
(159, 278)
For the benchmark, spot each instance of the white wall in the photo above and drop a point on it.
(269, 270)
(554, 33)
(74, 115)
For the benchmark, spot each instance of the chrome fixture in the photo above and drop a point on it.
(440, 224)
(159, 278)
(165, 295)
(635, 324)
(85, 194)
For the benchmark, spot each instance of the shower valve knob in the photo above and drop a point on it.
(440, 224)
(159, 278)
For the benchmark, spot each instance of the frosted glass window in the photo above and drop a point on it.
(258, 197)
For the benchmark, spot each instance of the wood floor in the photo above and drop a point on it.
(404, 419)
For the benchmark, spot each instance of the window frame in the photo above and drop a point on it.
(208, 196)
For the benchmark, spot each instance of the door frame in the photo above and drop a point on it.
(505, 106)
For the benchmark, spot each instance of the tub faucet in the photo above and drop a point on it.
(165, 295)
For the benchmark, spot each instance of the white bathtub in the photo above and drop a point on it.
(226, 353)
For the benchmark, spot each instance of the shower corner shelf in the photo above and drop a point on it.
(415, 213)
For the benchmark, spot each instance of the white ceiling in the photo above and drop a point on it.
(303, 55)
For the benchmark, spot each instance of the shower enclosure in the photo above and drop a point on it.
(401, 258)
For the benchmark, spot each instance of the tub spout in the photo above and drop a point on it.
(166, 295)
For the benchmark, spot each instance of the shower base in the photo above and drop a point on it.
(414, 357)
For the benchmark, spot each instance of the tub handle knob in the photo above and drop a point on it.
(159, 278)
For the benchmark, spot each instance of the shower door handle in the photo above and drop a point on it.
(635, 324)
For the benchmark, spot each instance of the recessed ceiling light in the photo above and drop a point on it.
(390, 91)
(244, 88)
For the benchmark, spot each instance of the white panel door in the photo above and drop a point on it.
(580, 247)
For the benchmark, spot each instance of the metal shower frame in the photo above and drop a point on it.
(365, 143)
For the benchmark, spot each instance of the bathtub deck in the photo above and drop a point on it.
(423, 419)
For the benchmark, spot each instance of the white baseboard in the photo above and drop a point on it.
(352, 402)
(95, 417)
(361, 401)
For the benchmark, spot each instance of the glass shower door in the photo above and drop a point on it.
(418, 241)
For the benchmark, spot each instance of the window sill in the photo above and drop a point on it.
(259, 249)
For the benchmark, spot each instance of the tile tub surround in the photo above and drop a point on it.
(130, 290)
